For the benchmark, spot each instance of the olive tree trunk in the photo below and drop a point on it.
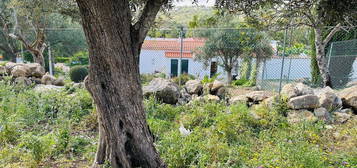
(113, 81)
(320, 44)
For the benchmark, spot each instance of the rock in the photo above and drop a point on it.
(322, 114)
(184, 97)
(20, 71)
(48, 79)
(221, 92)
(210, 97)
(194, 87)
(349, 97)
(59, 82)
(269, 102)
(47, 88)
(197, 98)
(216, 85)
(9, 66)
(341, 117)
(329, 100)
(258, 96)
(347, 110)
(289, 90)
(23, 81)
(293, 90)
(36, 70)
(2, 70)
(304, 102)
(303, 89)
(300, 116)
(164, 90)
(35, 80)
(238, 99)
(207, 88)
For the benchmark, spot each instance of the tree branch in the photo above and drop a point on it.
(332, 32)
(147, 17)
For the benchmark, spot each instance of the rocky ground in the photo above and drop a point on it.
(304, 102)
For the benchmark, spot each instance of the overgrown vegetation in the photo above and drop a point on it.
(59, 129)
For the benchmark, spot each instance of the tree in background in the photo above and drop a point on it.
(8, 45)
(316, 14)
(261, 49)
(315, 72)
(225, 45)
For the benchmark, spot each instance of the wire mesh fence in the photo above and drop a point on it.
(342, 62)
(245, 55)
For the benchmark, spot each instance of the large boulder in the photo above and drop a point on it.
(9, 66)
(59, 82)
(289, 90)
(349, 97)
(216, 85)
(304, 89)
(23, 81)
(164, 90)
(36, 70)
(328, 99)
(194, 87)
(300, 116)
(48, 79)
(258, 96)
(293, 90)
(20, 71)
(304, 102)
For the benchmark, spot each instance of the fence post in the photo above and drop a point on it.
(50, 59)
(181, 50)
(282, 63)
(329, 56)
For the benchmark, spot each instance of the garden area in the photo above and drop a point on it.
(178, 84)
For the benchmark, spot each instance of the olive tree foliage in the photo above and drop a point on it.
(316, 14)
(31, 18)
(8, 46)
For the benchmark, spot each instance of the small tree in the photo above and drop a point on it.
(316, 14)
(224, 45)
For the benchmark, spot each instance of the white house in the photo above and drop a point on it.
(163, 55)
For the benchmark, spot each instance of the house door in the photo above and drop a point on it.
(174, 67)
(184, 67)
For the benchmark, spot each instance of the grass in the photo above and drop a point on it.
(58, 129)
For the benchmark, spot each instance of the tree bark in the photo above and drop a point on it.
(229, 76)
(113, 81)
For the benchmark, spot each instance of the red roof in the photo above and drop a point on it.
(189, 45)
(176, 54)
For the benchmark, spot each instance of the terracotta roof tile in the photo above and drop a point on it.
(189, 44)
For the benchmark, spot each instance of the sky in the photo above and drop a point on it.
(189, 3)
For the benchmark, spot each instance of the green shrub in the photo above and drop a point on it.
(184, 78)
(80, 58)
(78, 73)
(241, 82)
(147, 78)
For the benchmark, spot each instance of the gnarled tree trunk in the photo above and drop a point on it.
(113, 81)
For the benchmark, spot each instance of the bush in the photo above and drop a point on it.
(184, 78)
(80, 58)
(241, 82)
(78, 73)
